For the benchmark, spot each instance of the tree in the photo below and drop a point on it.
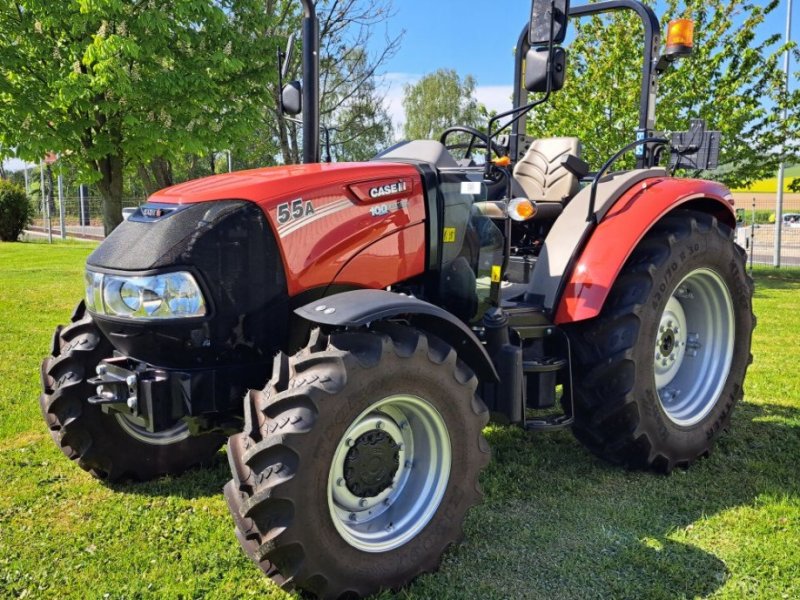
(438, 101)
(112, 83)
(732, 80)
(351, 105)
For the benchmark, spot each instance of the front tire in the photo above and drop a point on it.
(108, 446)
(666, 359)
(358, 462)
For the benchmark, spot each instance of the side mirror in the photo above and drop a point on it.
(544, 14)
(536, 73)
(292, 98)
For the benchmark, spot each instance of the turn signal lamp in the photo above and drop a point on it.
(503, 161)
(680, 38)
(521, 209)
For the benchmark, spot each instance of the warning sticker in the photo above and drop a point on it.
(449, 235)
(496, 272)
(470, 188)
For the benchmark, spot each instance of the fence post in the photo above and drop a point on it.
(84, 218)
(45, 204)
(61, 219)
(753, 235)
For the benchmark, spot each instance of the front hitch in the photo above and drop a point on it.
(142, 393)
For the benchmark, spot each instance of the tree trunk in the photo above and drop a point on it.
(162, 171)
(110, 186)
(150, 186)
(157, 176)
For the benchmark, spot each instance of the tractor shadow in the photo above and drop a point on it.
(557, 522)
(199, 482)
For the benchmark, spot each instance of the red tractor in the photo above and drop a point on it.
(374, 316)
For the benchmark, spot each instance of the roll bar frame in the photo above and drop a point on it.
(647, 98)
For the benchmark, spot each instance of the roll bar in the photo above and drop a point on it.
(311, 152)
(647, 99)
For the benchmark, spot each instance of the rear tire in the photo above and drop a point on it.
(372, 524)
(664, 363)
(105, 445)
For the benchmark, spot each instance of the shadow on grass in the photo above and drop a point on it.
(776, 279)
(559, 523)
(200, 482)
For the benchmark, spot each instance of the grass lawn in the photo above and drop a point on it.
(556, 522)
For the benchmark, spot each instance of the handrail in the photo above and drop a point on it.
(591, 217)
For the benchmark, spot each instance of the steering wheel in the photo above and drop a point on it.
(472, 145)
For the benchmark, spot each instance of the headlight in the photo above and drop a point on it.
(167, 296)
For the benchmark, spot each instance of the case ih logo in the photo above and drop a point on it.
(388, 190)
(153, 213)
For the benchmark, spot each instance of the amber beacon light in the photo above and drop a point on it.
(680, 38)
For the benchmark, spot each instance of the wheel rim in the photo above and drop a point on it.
(173, 435)
(389, 473)
(694, 347)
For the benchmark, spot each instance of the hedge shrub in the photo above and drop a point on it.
(16, 211)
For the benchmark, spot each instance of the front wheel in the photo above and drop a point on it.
(109, 446)
(665, 361)
(358, 462)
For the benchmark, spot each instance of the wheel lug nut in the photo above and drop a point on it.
(340, 482)
(404, 424)
(362, 502)
(349, 442)
(408, 464)
(379, 425)
(352, 516)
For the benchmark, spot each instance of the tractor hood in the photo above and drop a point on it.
(274, 183)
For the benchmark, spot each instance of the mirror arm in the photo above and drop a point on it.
(524, 110)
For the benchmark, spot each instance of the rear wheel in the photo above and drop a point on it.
(358, 462)
(665, 361)
(109, 446)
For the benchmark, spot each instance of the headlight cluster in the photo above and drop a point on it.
(167, 296)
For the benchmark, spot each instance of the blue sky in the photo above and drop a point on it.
(467, 36)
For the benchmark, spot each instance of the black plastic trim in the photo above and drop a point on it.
(362, 307)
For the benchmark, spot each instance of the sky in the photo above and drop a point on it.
(463, 35)
(479, 44)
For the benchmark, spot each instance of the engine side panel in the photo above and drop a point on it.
(625, 224)
(324, 215)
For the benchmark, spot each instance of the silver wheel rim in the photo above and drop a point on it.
(399, 512)
(694, 347)
(173, 435)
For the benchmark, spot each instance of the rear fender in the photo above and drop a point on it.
(361, 307)
(594, 272)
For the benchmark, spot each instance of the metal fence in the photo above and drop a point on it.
(81, 217)
(757, 231)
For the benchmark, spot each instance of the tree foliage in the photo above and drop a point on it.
(112, 83)
(352, 107)
(438, 101)
(733, 81)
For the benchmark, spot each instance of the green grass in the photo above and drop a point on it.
(556, 522)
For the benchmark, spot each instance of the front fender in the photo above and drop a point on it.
(622, 228)
(361, 307)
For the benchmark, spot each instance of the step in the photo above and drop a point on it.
(549, 424)
(546, 364)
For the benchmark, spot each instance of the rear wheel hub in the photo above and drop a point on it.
(371, 464)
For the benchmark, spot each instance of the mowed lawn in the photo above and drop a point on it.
(555, 523)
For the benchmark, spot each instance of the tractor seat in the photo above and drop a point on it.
(541, 174)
